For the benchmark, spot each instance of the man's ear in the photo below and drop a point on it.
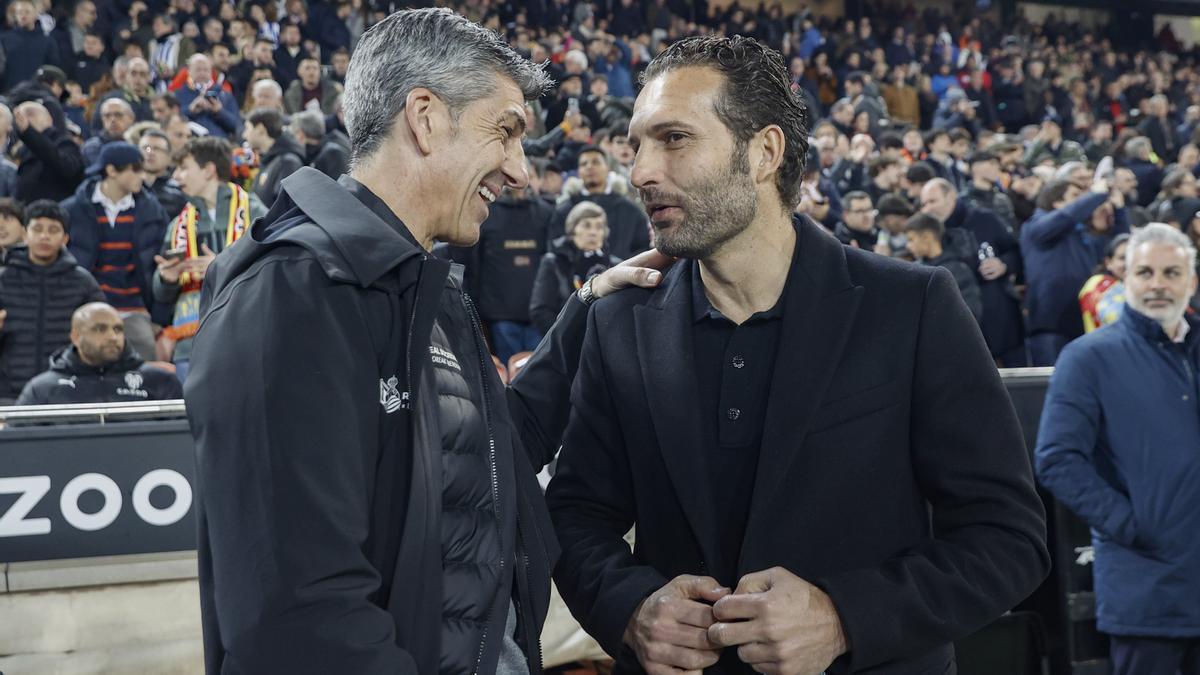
(427, 118)
(771, 143)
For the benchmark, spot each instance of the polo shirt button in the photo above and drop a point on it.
(739, 362)
(734, 413)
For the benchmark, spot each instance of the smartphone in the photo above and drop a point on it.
(212, 92)
(176, 254)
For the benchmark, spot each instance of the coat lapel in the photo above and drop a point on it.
(664, 345)
(820, 306)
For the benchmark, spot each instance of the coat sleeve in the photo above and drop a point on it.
(283, 403)
(1049, 227)
(988, 549)
(63, 158)
(1068, 439)
(545, 302)
(591, 502)
(539, 398)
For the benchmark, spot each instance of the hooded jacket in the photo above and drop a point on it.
(341, 368)
(40, 302)
(70, 380)
(284, 158)
(50, 165)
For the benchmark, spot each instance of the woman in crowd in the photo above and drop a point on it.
(573, 258)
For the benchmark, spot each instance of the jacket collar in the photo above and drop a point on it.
(367, 236)
(1152, 330)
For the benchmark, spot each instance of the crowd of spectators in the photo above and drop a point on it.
(164, 128)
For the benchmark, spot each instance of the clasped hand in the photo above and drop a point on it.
(779, 623)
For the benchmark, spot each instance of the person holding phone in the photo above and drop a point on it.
(206, 103)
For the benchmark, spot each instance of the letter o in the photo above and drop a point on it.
(173, 513)
(68, 503)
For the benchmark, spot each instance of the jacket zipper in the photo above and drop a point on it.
(406, 395)
(41, 324)
(473, 317)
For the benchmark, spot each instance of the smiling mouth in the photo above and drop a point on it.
(486, 193)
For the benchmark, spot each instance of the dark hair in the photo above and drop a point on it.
(894, 205)
(920, 172)
(855, 196)
(757, 93)
(261, 39)
(891, 140)
(932, 135)
(171, 100)
(209, 149)
(307, 56)
(877, 165)
(923, 222)
(270, 118)
(48, 208)
(600, 77)
(13, 209)
(857, 77)
(959, 134)
(1053, 193)
(340, 50)
(592, 148)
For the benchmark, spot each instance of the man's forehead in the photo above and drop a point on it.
(1159, 254)
(685, 93)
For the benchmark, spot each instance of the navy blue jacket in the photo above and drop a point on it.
(1119, 445)
(1059, 257)
(26, 51)
(224, 124)
(150, 221)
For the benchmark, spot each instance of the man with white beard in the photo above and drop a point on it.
(1118, 445)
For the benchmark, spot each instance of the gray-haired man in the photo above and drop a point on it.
(365, 482)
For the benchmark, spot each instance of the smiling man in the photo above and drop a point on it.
(1118, 446)
(366, 485)
(823, 467)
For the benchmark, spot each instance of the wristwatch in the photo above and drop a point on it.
(585, 293)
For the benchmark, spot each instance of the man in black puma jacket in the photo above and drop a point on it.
(365, 486)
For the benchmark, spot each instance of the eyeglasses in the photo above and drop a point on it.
(870, 211)
(152, 149)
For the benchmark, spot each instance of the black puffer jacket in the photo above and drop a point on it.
(40, 302)
(70, 380)
(404, 516)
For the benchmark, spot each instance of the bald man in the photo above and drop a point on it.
(50, 165)
(98, 367)
(206, 103)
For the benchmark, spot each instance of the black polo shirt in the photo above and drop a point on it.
(734, 367)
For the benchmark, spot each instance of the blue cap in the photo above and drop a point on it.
(116, 153)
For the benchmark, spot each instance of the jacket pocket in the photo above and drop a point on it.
(852, 406)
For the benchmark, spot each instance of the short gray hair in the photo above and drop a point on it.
(1137, 145)
(583, 211)
(311, 123)
(1162, 233)
(432, 48)
(266, 84)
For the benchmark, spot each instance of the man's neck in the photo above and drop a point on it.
(748, 273)
(149, 177)
(113, 191)
(595, 189)
(386, 178)
(43, 262)
(980, 184)
(1172, 328)
(935, 252)
(209, 194)
(268, 143)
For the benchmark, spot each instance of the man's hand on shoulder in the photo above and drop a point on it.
(643, 270)
(780, 624)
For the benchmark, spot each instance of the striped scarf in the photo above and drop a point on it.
(183, 235)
